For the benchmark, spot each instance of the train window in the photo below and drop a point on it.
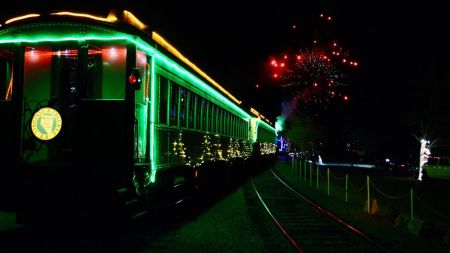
(191, 106)
(6, 72)
(223, 123)
(239, 128)
(183, 101)
(198, 112)
(208, 117)
(227, 123)
(204, 110)
(38, 76)
(212, 113)
(247, 129)
(219, 120)
(230, 120)
(143, 66)
(230, 124)
(94, 87)
(54, 72)
(212, 118)
(163, 93)
(173, 108)
(216, 119)
(233, 125)
(236, 127)
(106, 72)
(224, 128)
(219, 111)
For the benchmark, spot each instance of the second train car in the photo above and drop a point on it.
(94, 108)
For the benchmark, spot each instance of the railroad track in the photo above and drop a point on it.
(307, 226)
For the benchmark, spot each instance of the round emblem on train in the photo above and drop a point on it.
(46, 123)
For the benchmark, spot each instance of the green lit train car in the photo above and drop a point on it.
(98, 110)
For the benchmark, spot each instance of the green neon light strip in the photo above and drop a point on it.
(59, 39)
(269, 127)
(143, 46)
(168, 63)
(152, 122)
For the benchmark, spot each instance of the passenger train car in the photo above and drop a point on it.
(97, 108)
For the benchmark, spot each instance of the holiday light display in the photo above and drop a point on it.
(424, 154)
(233, 150)
(217, 148)
(179, 148)
(206, 155)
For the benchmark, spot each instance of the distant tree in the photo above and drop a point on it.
(302, 132)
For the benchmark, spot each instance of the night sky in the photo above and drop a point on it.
(400, 91)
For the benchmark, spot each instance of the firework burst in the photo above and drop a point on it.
(316, 75)
(313, 75)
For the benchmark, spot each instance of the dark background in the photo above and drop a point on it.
(400, 91)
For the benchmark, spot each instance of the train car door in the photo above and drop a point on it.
(142, 129)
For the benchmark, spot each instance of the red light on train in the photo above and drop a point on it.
(135, 79)
(132, 80)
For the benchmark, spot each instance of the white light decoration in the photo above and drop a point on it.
(233, 150)
(246, 148)
(179, 149)
(217, 148)
(424, 154)
(267, 148)
(206, 150)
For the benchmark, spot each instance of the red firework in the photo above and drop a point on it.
(314, 75)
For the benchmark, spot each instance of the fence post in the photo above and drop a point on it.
(317, 177)
(304, 168)
(310, 174)
(299, 167)
(293, 164)
(304, 175)
(368, 196)
(412, 204)
(346, 187)
(296, 164)
(328, 181)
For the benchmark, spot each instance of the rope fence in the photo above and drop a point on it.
(386, 195)
(306, 171)
(337, 177)
(356, 188)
